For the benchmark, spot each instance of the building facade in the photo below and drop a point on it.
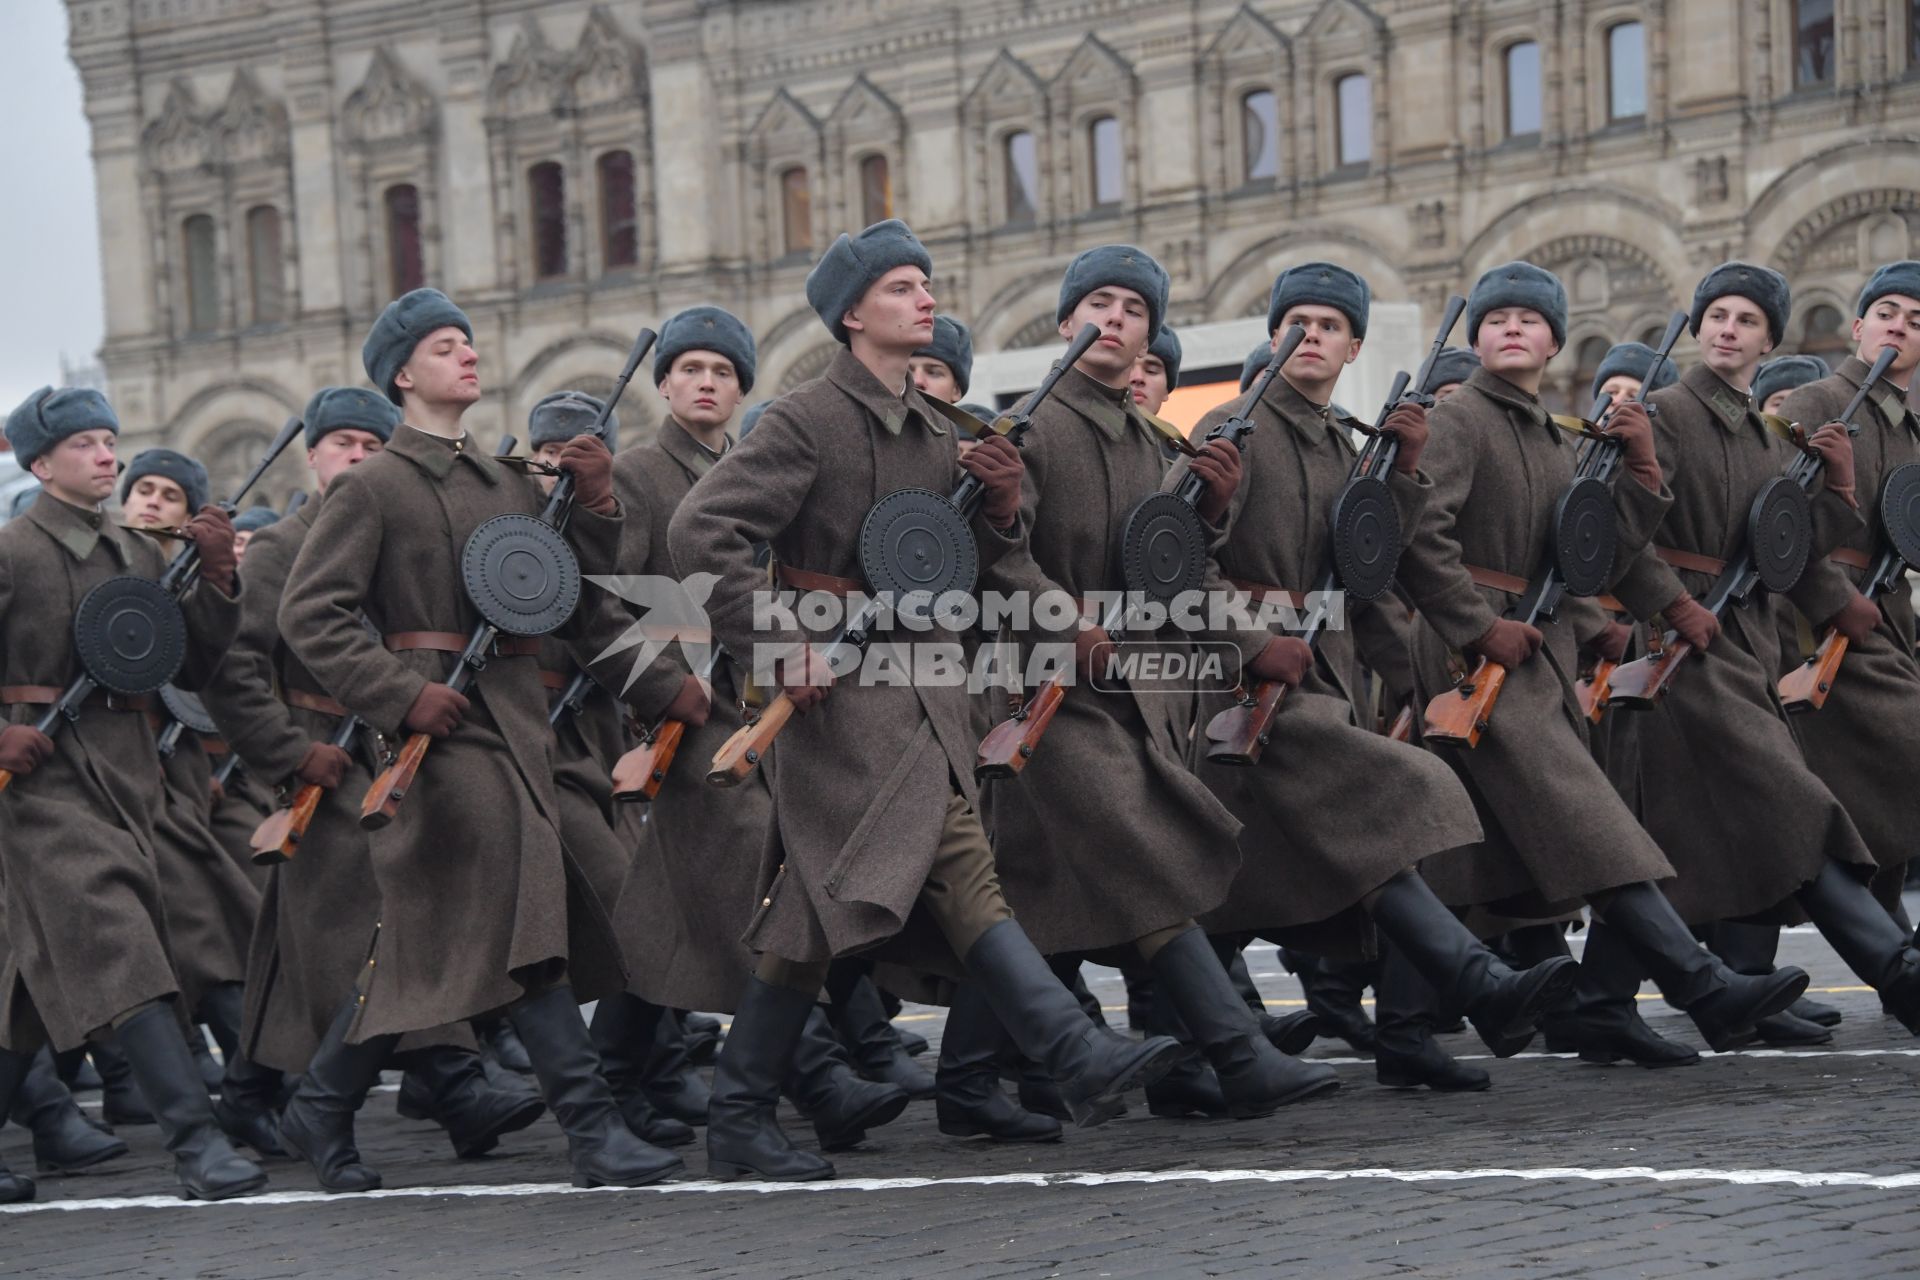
(271, 172)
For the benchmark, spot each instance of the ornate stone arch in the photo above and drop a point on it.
(1013, 307)
(1249, 53)
(1613, 287)
(1008, 97)
(794, 339)
(1341, 36)
(809, 365)
(865, 122)
(1094, 82)
(390, 129)
(1631, 219)
(1793, 202)
(228, 426)
(580, 362)
(785, 134)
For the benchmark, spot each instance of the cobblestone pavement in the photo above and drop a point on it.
(1750, 1164)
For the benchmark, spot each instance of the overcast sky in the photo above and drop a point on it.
(49, 237)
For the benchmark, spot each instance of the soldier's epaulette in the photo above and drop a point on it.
(1788, 431)
(965, 421)
(1173, 435)
(1573, 425)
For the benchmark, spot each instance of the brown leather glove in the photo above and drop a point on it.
(1409, 422)
(212, 532)
(1091, 645)
(1286, 659)
(1835, 448)
(1630, 425)
(437, 711)
(692, 704)
(1611, 643)
(1509, 643)
(23, 749)
(997, 464)
(1218, 464)
(798, 676)
(591, 466)
(326, 765)
(1693, 620)
(1857, 619)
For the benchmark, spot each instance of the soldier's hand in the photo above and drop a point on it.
(216, 792)
(1509, 643)
(1835, 448)
(1857, 619)
(805, 679)
(997, 464)
(437, 712)
(587, 460)
(1630, 425)
(1611, 643)
(324, 765)
(1694, 621)
(212, 532)
(1286, 659)
(1409, 423)
(1218, 463)
(23, 749)
(1090, 645)
(692, 704)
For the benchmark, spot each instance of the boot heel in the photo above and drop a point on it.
(726, 1171)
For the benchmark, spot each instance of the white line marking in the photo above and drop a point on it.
(1631, 1173)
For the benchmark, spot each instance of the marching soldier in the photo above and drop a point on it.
(88, 930)
(1157, 372)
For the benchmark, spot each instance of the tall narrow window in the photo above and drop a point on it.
(406, 268)
(1353, 119)
(1523, 89)
(796, 210)
(1812, 43)
(1626, 71)
(1103, 145)
(1260, 135)
(619, 227)
(265, 275)
(1022, 177)
(876, 190)
(1913, 35)
(547, 194)
(203, 275)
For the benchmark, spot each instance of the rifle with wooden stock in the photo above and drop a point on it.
(278, 837)
(1461, 715)
(383, 798)
(1640, 684)
(637, 775)
(1004, 752)
(739, 754)
(1240, 733)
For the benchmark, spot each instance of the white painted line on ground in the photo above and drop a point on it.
(1631, 1173)
(1704, 1053)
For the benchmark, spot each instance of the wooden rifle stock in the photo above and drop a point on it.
(278, 838)
(1805, 688)
(637, 775)
(739, 754)
(1240, 733)
(1639, 684)
(391, 787)
(1401, 730)
(1005, 751)
(6, 779)
(1596, 689)
(1461, 714)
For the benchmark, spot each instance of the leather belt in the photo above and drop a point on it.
(1850, 557)
(555, 680)
(454, 642)
(314, 702)
(45, 695)
(1516, 586)
(1262, 592)
(808, 580)
(1692, 560)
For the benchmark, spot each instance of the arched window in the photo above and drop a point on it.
(619, 226)
(876, 189)
(1828, 335)
(265, 274)
(1022, 164)
(1523, 89)
(203, 274)
(796, 210)
(406, 268)
(1353, 119)
(1260, 135)
(1812, 43)
(1103, 145)
(547, 196)
(1626, 71)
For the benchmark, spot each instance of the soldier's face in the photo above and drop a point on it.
(549, 453)
(1149, 383)
(443, 369)
(934, 378)
(156, 503)
(896, 312)
(701, 389)
(1444, 390)
(1892, 321)
(82, 469)
(1328, 347)
(1777, 399)
(1122, 317)
(1733, 335)
(1514, 341)
(340, 449)
(1620, 387)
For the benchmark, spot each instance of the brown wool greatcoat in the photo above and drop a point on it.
(1722, 784)
(318, 912)
(1332, 810)
(211, 903)
(246, 800)
(861, 785)
(697, 867)
(1556, 830)
(1106, 835)
(1865, 742)
(83, 902)
(480, 901)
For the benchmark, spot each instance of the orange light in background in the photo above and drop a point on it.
(1187, 405)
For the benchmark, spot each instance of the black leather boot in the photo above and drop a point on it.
(1723, 1004)
(208, 1167)
(743, 1135)
(968, 1101)
(120, 1100)
(1406, 1056)
(1752, 948)
(827, 1090)
(1333, 990)
(499, 1041)
(247, 1102)
(211, 1072)
(317, 1122)
(624, 1027)
(1502, 1004)
(1191, 1088)
(1855, 924)
(14, 1188)
(449, 1086)
(672, 1084)
(603, 1150)
(1604, 1025)
(1785, 1031)
(76, 1071)
(703, 1037)
(1039, 1094)
(63, 1141)
(861, 1019)
(1093, 1067)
